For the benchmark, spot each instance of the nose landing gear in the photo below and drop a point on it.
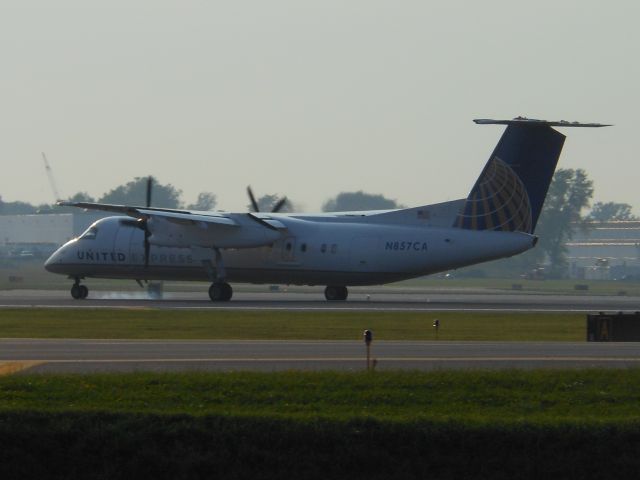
(336, 293)
(79, 292)
(220, 292)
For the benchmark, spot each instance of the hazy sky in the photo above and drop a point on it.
(309, 98)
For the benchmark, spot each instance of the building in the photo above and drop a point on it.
(605, 250)
(39, 235)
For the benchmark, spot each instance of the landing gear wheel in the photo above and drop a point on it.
(76, 292)
(335, 293)
(79, 292)
(220, 292)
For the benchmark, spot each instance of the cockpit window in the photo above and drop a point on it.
(90, 233)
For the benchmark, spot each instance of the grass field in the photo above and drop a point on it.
(583, 397)
(437, 425)
(316, 425)
(263, 325)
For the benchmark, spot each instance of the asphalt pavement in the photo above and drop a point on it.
(83, 356)
(360, 300)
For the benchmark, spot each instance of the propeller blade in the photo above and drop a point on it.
(142, 225)
(147, 248)
(149, 185)
(281, 203)
(254, 204)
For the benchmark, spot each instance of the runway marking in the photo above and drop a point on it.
(8, 368)
(334, 359)
(354, 308)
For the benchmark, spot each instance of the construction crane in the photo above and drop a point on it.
(52, 182)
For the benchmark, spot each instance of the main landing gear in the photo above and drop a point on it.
(220, 292)
(79, 292)
(336, 293)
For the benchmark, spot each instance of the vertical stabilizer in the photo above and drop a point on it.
(510, 192)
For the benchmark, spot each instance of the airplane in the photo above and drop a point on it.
(337, 250)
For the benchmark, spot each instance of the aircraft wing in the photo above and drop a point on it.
(172, 215)
(183, 228)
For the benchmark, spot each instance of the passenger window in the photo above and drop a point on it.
(90, 233)
(334, 248)
(323, 248)
(288, 247)
(303, 247)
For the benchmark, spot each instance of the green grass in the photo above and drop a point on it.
(263, 325)
(413, 425)
(575, 397)
(104, 445)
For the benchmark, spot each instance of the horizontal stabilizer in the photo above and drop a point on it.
(524, 121)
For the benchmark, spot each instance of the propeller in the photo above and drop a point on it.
(149, 186)
(142, 223)
(254, 204)
(281, 203)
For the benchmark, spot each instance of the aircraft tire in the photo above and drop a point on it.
(336, 293)
(76, 291)
(228, 292)
(84, 291)
(220, 292)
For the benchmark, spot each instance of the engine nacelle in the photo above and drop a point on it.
(166, 233)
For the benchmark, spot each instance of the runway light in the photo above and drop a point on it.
(368, 338)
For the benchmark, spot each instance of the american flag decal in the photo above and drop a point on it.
(424, 214)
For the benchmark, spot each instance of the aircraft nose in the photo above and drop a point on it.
(53, 262)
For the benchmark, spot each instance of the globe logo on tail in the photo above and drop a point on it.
(499, 201)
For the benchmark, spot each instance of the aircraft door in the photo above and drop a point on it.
(363, 254)
(122, 244)
(288, 251)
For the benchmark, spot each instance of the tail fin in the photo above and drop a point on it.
(510, 191)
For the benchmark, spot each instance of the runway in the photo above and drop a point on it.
(75, 356)
(40, 356)
(359, 300)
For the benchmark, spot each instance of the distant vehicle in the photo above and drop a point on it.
(496, 220)
(537, 273)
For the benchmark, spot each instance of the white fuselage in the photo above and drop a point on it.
(310, 250)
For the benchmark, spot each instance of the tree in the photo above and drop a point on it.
(206, 202)
(16, 208)
(266, 203)
(354, 201)
(610, 211)
(569, 193)
(82, 197)
(134, 193)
